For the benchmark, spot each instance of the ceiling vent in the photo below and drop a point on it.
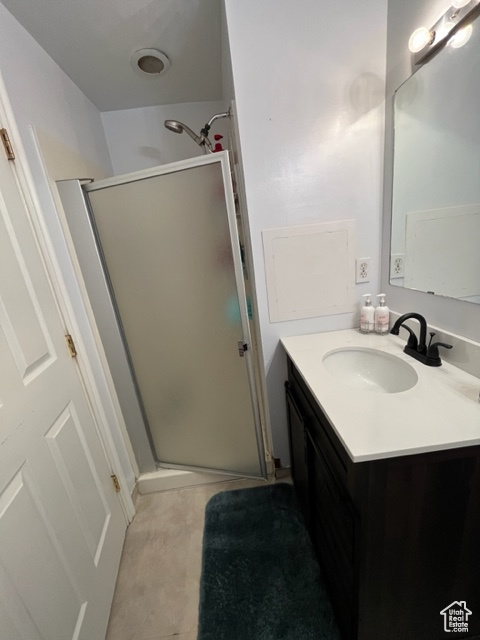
(150, 62)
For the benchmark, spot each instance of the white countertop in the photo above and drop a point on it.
(440, 412)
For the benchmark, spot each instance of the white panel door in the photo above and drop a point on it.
(61, 524)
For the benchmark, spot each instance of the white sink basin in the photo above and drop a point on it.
(371, 369)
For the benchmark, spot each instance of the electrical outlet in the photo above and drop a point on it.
(397, 265)
(362, 270)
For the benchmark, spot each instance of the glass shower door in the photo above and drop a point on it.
(170, 249)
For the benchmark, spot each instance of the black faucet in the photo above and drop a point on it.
(417, 348)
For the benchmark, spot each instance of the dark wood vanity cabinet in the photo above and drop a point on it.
(398, 539)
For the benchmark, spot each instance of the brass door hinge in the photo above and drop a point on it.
(71, 345)
(116, 483)
(9, 152)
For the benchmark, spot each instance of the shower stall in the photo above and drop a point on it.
(160, 257)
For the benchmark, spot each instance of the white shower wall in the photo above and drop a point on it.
(137, 138)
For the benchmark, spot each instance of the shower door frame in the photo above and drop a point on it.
(222, 159)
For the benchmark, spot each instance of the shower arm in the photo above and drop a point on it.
(207, 127)
(226, 114)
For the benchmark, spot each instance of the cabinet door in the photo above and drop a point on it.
(298, 451)
(332, 531)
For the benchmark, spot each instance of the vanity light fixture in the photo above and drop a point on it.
(453, 27)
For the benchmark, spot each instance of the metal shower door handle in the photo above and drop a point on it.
(242, 347)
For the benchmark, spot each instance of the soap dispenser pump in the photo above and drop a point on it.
(367, 315)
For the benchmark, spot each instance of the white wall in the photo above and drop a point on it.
(404, 16)
(43, 97)
(228, 89)
(309, 89)
(137, 138)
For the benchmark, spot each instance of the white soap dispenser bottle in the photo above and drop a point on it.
(367, 315)
(382, 316)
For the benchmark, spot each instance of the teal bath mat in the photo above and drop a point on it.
(260, 577)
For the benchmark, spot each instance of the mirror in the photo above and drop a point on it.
(435, 238)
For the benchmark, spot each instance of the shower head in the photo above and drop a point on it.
(173, 125)
(179, 127)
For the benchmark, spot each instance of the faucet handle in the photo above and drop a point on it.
(432, 351)
(412, 341)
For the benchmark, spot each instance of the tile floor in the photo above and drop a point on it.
(157, 589)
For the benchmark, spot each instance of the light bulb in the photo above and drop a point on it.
(419, 39)
(458, 4)
(461, 37)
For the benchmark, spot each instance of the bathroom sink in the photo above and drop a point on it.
(370, 369)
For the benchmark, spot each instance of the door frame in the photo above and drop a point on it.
(66, 307)
(236, 163)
